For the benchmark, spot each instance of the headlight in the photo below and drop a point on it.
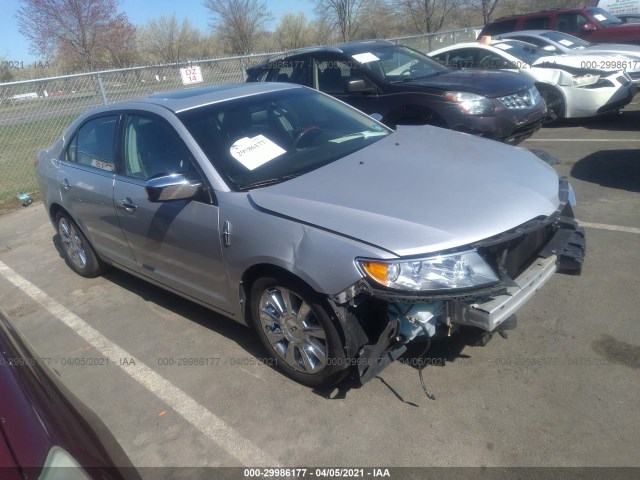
(584, 80)
(439, 272)
(59, 465)
(470, 103)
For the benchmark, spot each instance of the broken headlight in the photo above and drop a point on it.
(585, 80)
(438, 272)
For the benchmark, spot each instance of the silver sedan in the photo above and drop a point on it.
(338, 239)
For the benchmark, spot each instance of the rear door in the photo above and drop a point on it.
(176, 243)
(85, 180)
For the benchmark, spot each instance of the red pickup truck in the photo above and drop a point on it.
(593, 24)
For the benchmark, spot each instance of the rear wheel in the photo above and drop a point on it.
(77, 250)
(296, 330)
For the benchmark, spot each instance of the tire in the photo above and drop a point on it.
(78, 252)
(555, 103)
(297, 332)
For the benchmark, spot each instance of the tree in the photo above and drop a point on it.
(429, 16)
(345, 14)
(6, 75)
(79, 28)
(121, 49)
(292, 31)
(166, 41)
(379, 20)
(239, 21)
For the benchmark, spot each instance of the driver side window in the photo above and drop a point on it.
(152, 149)
(333, 75)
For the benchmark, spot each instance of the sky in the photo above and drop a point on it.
(15, 47)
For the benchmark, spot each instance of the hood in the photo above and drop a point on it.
(420, 190)
(489, 83)
(589, 62)
(630, 51)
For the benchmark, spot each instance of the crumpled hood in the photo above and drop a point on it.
(606, 63)
(420, 190)
(489, 83)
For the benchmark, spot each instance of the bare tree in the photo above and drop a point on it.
(164, 40)
(79, 28)
(345, 14)
(484, 7)
(292, 31)
(6, 75)
(239, 21)
(379, 20)
(428, 16)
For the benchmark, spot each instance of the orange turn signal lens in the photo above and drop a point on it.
(377, 271)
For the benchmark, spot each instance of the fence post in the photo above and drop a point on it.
(101, 88)
(242, 72)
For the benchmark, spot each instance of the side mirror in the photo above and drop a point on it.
(589, 27)
(376, 116)
(359, 86)
(171, 187)
(549, 48)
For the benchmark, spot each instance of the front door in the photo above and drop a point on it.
(176, 243)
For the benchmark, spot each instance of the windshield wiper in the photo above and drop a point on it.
(267, 182)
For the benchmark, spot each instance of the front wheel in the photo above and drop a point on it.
(555, 103)
(297, 332)
(78, 252)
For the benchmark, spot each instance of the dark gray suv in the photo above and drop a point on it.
(407, 87)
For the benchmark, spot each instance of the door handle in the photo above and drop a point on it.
(127, 204)
(65, 184)
(226, 234)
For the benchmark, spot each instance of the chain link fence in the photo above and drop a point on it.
(34, 113)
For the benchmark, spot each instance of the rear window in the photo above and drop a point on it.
(497, 28)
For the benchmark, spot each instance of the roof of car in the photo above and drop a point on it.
(186, 99)
(362, 46)
(527, 32)
(541, 12)
(348, 48)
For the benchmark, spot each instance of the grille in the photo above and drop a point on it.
(514, 256)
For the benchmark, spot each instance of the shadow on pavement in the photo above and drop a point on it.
(610, 168)
(626, 121)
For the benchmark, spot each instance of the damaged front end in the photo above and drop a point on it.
(379, 322)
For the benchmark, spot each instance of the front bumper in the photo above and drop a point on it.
(558, 245)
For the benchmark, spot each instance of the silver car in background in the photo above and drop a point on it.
(338, 239)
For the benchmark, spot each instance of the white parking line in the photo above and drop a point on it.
(247, 453)
(615, 228)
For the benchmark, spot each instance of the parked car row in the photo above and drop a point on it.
(406, 87)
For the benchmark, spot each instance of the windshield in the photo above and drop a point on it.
(603, 17)
(269, 138)
(398, 64)
(525, 52)
(566, 40)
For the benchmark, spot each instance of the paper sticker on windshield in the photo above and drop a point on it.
(599, 16)
(256, 151)
(502, 46)
(365, 57)
(102, 165)
(565, 42)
